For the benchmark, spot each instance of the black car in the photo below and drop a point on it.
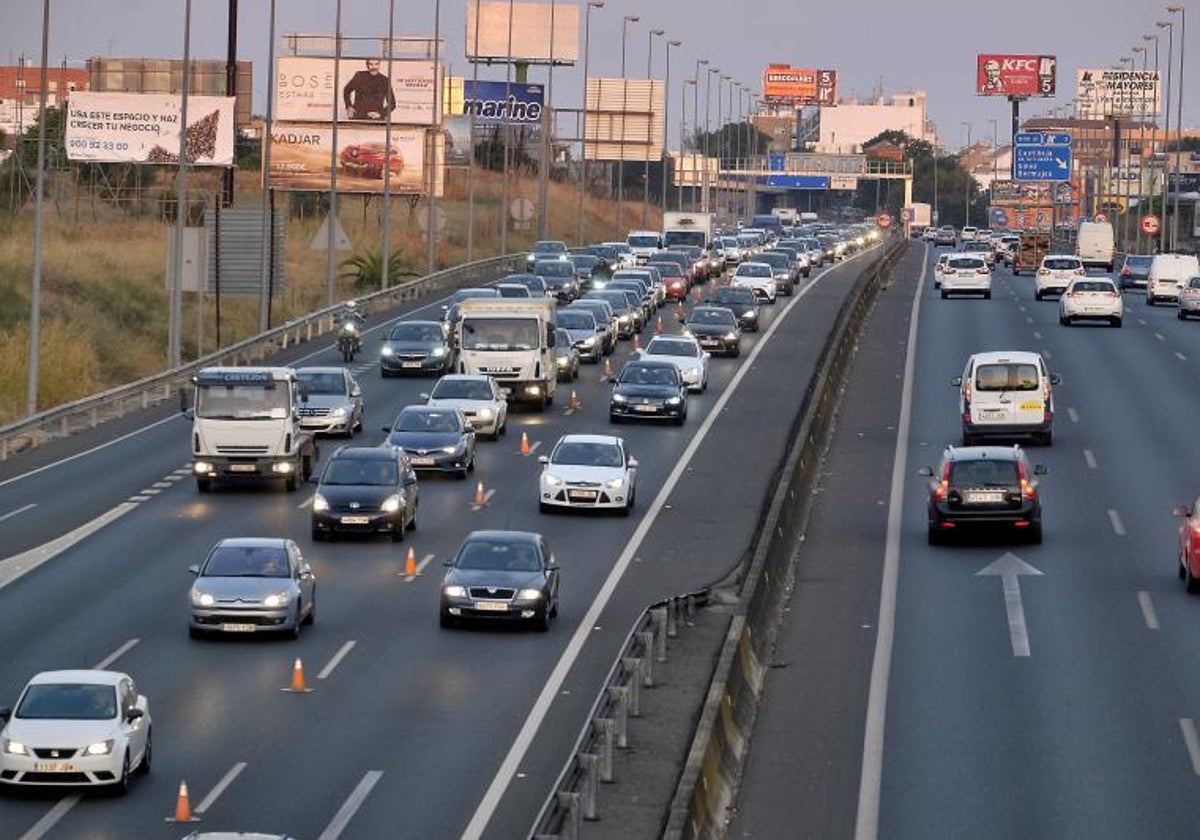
(509, 575)
(740, 301)
(628, 315)
(434, 438)
(585, 266)
(607, 258)
(560, 278)
(649, 389)
(584, 334)
(537, 285)
(450, 316)
(715, 328)
(416, 347)
(1135, 271)
(365, 490)
(984, 487)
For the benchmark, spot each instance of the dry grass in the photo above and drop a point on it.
(104, 299)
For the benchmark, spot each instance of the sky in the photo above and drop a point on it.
(872, 44)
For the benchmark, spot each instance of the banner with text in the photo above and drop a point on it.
(144, 128)
(495, 103)
(795, 86)
(1105, 92)
(301, 158)
(1000, 74)
(304, 90)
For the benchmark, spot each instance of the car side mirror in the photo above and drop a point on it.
(194, 570)
(956, 381)
(448, 562)
(134, 714)
(385, 429)
(1055, 379)
(356, 392)
(551, 563)
(926, 471)
(543, 460)
(305, 571)
(633, 462)
(1181, 511)
(1040, 469)
(424, 396)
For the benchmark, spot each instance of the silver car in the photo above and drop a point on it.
(335, 401)
(252, 585)
(477, 397)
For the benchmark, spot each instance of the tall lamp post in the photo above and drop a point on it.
(621, 155)
(1181, 10)
(705, 197)
(35, 281)
(1123, 168)
(1147, 187)
(696, 119)
(967, 188)
(587, 27)
(720, 142)
(666, 122)
(1144, 53)
(683, 141)
(646, 169)
(1162, 227)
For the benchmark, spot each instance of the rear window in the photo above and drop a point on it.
(1006, 376)
(1061, 264)
(984, 473)
(1094, 286)
(972, 262)
(1194, 283)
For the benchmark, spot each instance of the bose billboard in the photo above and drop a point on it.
(1105, 92)
(144, 128)
(1017, 76)
(795, 86)
(304, 90)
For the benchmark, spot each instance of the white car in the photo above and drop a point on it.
(1056, 273)
(477, 397)
(588, 471)
(757, 277)
(684, 352)
(939, 267)
(76, 728)
(1006, 394)
(1189, 298)
(1091, 298)
(966, 274)
(968, 233)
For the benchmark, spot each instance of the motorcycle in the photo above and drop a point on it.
(349, 341)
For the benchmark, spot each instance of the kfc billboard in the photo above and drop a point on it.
(1015, 75)
(795, 86)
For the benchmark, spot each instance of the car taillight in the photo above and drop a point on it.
(1114, 293)
(1125, 272)
(1043, 272)
(1081, 271)
(1026, 488)
(944, 485)
(981, 271)
(948, 270)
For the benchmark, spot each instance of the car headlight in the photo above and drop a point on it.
(529, 594)
(622, 319)
(618, 398)
(319, 503)
(552, 480)
(485, 414)
(589, 341)
(614, 483)
(687, 331)
(391, 504)
(386, 351)
(14, 748)
(749, 313)
(278, 599)
(450, 450)
(340, 411)
(99, 748)
(438, 352)
(674, 400)
(561, 361)
(730, 336)
(202, 599)
(454, 591)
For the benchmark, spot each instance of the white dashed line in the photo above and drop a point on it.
(1037, 335)
(535, 446)
(1188, 728)
(139, 499)
(1148, 613)
(337, 658)
(1180, 356)
(1142, 321)
(350, 807)
(161, 485)
(51, 819)
(150, 491)
(13, 513)
(1028, 320)
(225, 782)
(115, 655)
(1090, 458)
(1159, 336)
(1073, 414)
(1117, 525)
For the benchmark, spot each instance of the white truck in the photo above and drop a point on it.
(643, 243)
(920, 216)
(693, 229)
(246, 425)
(512, 341)
(788, 215)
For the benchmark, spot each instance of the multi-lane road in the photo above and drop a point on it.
(410, 731)
(929, 718)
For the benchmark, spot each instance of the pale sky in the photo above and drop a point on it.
(930, 44)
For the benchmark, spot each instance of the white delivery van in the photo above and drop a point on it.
(1006, 394)
(1096, 245)
(1167, 273)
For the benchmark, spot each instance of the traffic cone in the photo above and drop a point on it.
(637, 342)
(608, 368)
(480, 496)
(679, 309)
(658, 324)
(573, 403)
(297, 686)
(410, 564)
(183, 808)
(524, 443)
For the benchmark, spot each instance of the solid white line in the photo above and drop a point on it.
(225, 782)
(13, 513)
(337, 658)
(1036, 334)
(1148, 612)
(871, 776)
(1073, 414)
(1090, 458)
(1193, 743)
(1180, 356)
(18, 565)
(1117, 525)
(1159, 336)
(115, 655)
(350, 807)
(51, 819)
(550, 690)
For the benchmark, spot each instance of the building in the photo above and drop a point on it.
(780, 129)
(20, 93)
(164, 75)
(844, 129)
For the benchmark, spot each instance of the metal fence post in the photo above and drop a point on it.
(569, 802)
(673, 618)
(587, 763)
(619, 695)
(646, 640)
(660, 633)
(603, 728)
(633, 664)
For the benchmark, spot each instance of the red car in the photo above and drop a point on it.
(1189, 545)
(367, 160)
(675, 284)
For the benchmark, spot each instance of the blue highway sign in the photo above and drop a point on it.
(1038, 138)
(1042, 157)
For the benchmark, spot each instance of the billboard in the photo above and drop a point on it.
(787, 85)
(1000, 74)
(301, 158)
(624, 119)
(689, 169)
(1105, 92)
(144, 128)
(494, 103)
(528, 36)
(1006, 193)
(304, 90)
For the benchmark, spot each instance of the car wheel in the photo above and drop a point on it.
(293, 632)
(1035, 533)
(934, 535)
(544, 508)
(471, 463)
(318, 535)
(292, 483)
(679, 421)
(147, 754)
(541, 623)
(1062, 322)
(987, 295)
(1179, 564)
(1149, 300)
(311, 618)
(1116, 322)
(204, 485)
(945, 294)
(1046, 438)
(1180, 315)
(1037, 295)
(398, 531)
(968, 439)
(195, 633)
(412, 523)
(614, 418)
(445, 620)
(1191, 582)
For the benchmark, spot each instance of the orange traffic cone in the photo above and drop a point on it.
(658, 324)
(524, 443)
(183, 808)
(480, 496)
(608, 368)
(297, 686)
(410, 564)
(573, 403)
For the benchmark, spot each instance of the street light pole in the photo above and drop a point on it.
(666, 122)
(707, 131)
(683, 142)
(696, 144)
(967, 188)
(737, 142)
(35, 282)
(587, 27)
(646, 168)
(1127, 61)
(1182, 12)
(720, 143)
(1153, 126)
(1162, 225)
(624, 97)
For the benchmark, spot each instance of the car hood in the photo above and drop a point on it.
(428, 441)
(656, 391)
(250, 590)
(326, 400)
(61, 733)
(581, 334)
(682, 362)
(711, 329)
(494, 577)
(413, 346)
(582, 473)
(464, 404)
(366, 495)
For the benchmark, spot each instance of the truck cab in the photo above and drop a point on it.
(643, 243)
(511, 340)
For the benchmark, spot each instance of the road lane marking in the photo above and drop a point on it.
(18, 565)
(337, 658)
(871, 775)
(535, 446)
(550, 689)
(161, 485)
(1180, 356)
(115, 655)
(1193, 742)
(425, 561)
(13, 513)
(138, 499)
(1073, 414)
(1148, 612)
(1142, 321)
(226, 781)
(1159, 336)
(1009, 568)
(1117, 525)
(350, 807)
(1028, 320)
(1090, 458)
(487, 498)
(51, 819)
(1037, 335)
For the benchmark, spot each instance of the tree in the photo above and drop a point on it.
(955, 186)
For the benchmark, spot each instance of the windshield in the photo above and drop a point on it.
(494, 556)
(242, 402)
(462, 389)
(575, 320)
(500, 333)
(1138, 262)
(68, 701)
(584, 260)
(464, 294)
(646, 241)
(728, 242)
(1006, 376)
(667, 269)
(753, 270)
(685, 237)
(646, 375)
(369, 471)
(416, 332)
(514, 291)
(984, 473)
(323, 383)
(732, 294)
(712, 316)
(247, 561)
(672, 347)
(549, 248)
(554, 268)
(581, 454)
(427, 421)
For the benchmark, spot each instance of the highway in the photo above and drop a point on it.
(409, 731)
(930, 721)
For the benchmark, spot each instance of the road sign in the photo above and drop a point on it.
(1038, 138)
(1150, 225)
(884, 220)
(1100, 217)
(1042, 163)
(521, 209)
(999, 217)
(909, 214)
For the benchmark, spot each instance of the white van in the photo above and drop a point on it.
(1167, 273)
(1095, 245)
(1006, 394)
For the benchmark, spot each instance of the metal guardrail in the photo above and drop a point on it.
(92, 411)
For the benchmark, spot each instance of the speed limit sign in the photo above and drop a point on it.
(884, 220)
(1150, 225)
(1100, 217)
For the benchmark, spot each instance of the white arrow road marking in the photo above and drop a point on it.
(1009, 568)
(18, 565)
(350, 807)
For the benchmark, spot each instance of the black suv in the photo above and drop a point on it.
(980, 487)
(365, 490)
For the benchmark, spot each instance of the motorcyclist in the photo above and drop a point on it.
(351, 322)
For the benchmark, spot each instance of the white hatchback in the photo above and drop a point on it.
(1091, 298)
(966, 274)
(477, 397)
(939, 267)
(1056, 273)
(684, 352)
(588, 471)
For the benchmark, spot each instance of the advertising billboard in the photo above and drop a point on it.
(526, 35)
(624, 119)
(144, 128)
(304, 90)
(1105, 92)
(301, 159)
(1006, 193)
(1001, 74)
(795, 86)
(494, 103)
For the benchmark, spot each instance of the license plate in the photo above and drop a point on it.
(238, 628)
(491, 606)
(355, 520)
(247, 468)
(993, 413)
(1032, 405)
(53, 767)
(983, 497)
(410, 364)
(582, 495)
(421, 462)
(645, 408)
